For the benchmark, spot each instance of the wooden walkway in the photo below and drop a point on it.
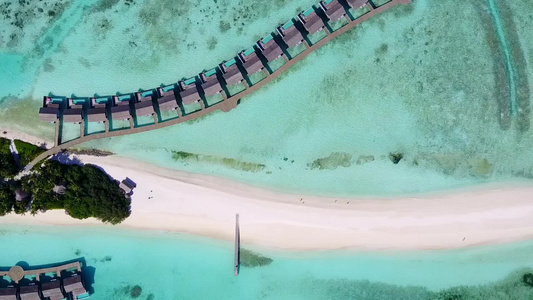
(230, 102)
(16, 273)
(237, 245)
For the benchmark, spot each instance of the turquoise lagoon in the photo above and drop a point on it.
(427, 81)
(423, 81)
(175, 266)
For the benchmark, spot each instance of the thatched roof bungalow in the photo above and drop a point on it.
(127, 185)
(312, 22)
(20, 195)
(189, 91)
(29, 292)
(290, 34)
(251, 62)
(98, 112)
(230, 72)
(52, 290)
(333, 9)
(8, 293)
(270, 48)
(50, 110)
(167, 100)
(74, 111)
(121, 107)
(356, 4)
(144, 104)
(210, 84)
(73, 285)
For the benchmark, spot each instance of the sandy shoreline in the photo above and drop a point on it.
(205, 205)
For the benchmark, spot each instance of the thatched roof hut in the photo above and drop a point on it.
(8, 293)
(60, 189)
(20, 195)
(29, 292)
(74, 285)
(52, 290)
(312, 22)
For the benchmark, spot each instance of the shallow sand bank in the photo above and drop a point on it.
(206, 205)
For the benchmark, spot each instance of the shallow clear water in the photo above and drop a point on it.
(424, 81)
(174, 266)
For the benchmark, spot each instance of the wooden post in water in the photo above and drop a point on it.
(237, 244)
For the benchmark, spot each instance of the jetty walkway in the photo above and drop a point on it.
(54, 283)
(299, 31)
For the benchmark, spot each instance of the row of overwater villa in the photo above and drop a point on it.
(54, 283)
(218, 88)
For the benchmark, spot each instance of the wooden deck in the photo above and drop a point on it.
(231, 101)
(16, 273)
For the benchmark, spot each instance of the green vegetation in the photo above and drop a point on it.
(251, 259)
(396, 157)
(7, 198)
(8, 165)
(89, 192)
(27, 152)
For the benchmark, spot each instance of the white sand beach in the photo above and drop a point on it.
(205, 205)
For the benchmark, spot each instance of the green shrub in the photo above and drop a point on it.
(27, 152)
(8, 165)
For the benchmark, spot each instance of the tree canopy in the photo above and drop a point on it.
(8, 165)
(27, 152)
(89, 192)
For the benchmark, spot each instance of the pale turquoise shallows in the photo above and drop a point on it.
(172, 266)
(420, 81)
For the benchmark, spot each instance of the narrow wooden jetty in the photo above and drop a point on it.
(237, 244)
(230, 100)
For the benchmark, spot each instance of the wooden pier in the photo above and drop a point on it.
(237, 245)
(230, 101)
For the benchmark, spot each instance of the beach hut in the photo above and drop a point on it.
(52, 290)
(20, 195)
(144, 104)
(127, 186)
(230, 72)
(290, 34)
(167, 99)
(333, 9)
(50, 110)
(210, 84)
(251, 62)
(29, 292)
(189, 91)
(8, 293)
(356, 4)
(74, 111)
(312, 22)
(73, 285)
(270, 48)
(121, 107)
(97, 112)
(60, 189)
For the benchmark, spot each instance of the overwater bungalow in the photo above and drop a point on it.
(356, 4)
(270, 48)
(167, 99)
(29, 292)
(290, 34)
(73, 286)
(50, 110)
(121, 107)
(189, 91)
(97, 112)
(312, 22)
(230, 72)
(52, 290)
(210, 84)
(74, 111)
(251, 62)
(333, 9)
(8, 293)
(144, 104)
